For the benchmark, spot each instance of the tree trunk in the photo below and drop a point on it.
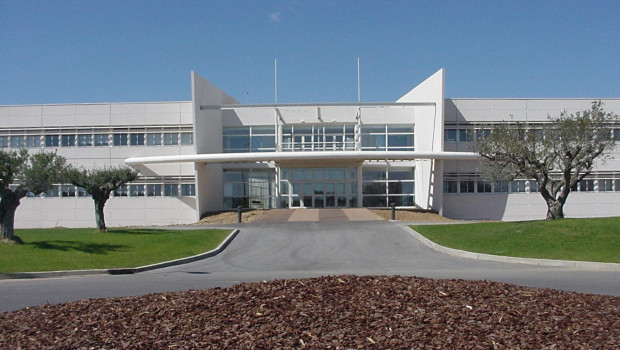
(99, 216)
(7, 220)
(555, 210)
(100, 197)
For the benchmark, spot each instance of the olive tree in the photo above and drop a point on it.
(21, 173)
(100, 183)
(557, 156)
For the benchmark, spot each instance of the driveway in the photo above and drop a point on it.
(267, 251)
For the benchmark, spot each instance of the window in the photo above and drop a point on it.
(400, 137)
(53, 192)
(482, 133)
(393, 185)
(18, 141)
(605, 185)
(136, 139)
(153, 190)
(533, 186)
(586, 185)
(450, 186)
(153, 139)
(120, 140)
(52, 140)
(171, 139)
(483, 186)
(84, 140)
(101, 139)
(466, 135)
(33, 141)
(4, 142)
(263, 143)
(136, 190)
(374, 188)
(517, 186)
(67, 191)
(67, 141)
(122, 191)
(187, 138)
(501, 186)
(616, 134)
(467, 186)
(81, 192)
(188, 190)
(374, 138)
(171, 190)
(449, 135)
(236, 140)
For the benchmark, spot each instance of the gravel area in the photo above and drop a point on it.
(340, 312)
(230, 217)
(411, 215)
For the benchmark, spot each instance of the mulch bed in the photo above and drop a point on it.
(341, 312)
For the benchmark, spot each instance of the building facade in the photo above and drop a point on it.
(213, 153)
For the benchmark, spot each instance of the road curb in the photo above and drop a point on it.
(122, 271)
(508, 259)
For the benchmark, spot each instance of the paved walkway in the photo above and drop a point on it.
(318, 215)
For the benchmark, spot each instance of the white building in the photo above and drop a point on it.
(213, 153)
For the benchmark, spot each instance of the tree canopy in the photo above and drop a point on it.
(557, 156)
(21, 173)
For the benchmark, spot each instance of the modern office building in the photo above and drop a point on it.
(213, 153)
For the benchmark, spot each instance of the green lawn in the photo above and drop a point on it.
(77, 249)
(566, 239)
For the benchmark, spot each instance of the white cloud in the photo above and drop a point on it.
(274, 16)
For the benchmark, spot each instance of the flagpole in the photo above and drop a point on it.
(275, 80)
(359, 91)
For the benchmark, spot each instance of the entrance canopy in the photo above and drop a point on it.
(214, 158)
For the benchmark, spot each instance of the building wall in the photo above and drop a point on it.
(479, 113)
(110, 118)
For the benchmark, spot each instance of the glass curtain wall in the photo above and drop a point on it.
(249, 188)
(383, 186)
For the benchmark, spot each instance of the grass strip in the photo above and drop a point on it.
(86, 248)
(595, 239)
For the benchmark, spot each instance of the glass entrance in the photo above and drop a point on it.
(319, 188)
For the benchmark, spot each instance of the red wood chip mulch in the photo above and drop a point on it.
(341, 312)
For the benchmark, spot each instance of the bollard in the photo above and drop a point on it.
(393, 205)
(239, 209)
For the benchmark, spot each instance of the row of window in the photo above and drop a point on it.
(469, 134)
(524, 186)
(130, 190)
(97, 140)
(320, 138)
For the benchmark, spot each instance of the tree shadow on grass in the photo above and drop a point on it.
(89, 248)
(138, 231)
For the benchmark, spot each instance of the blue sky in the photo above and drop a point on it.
(109, 51)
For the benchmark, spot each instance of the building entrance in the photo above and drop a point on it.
(319, 188)
(319, 194)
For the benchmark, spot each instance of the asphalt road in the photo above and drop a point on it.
(306, 249)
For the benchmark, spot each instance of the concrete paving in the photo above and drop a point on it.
(268, 251)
